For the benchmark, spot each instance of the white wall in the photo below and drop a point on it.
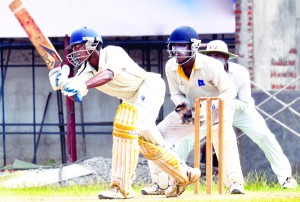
(267, 41)
(276, 43)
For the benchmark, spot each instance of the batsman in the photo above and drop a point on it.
(111, 71)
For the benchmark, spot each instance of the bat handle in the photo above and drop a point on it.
(78, 97)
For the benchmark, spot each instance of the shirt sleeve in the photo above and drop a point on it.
(222, 81)
(176, 95)
(117, 60)
(244, 98)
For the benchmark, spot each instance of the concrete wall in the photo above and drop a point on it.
(267, 41)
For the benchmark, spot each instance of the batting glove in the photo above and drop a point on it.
(58, 75)
(73, 86)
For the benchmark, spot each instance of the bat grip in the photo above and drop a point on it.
(78, 97)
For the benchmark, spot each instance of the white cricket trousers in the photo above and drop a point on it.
(255, 127)
(182, 137)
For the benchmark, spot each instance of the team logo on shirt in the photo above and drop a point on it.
(213, 107)
(142, 98)
(201, 82)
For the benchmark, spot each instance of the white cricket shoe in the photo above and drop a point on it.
(177, 189)
(153, 189)
(290, 183)
(236, 188)
(113, 192)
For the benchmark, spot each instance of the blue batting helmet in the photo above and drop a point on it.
(183, 34)
(80, 36)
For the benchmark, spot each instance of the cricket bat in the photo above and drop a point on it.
(41, 43)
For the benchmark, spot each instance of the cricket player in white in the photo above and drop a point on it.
(111, 71)
(192, 75)
(247, 118)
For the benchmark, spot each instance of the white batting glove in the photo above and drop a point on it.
(58, 75)
(74, 85)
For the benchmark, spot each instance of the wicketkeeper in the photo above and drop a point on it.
(192, 75)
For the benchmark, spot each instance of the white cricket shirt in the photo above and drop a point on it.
(242, 86)
(208, 79)
(128, 75)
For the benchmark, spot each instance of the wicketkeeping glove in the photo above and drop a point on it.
(185, 114)
(58, 75)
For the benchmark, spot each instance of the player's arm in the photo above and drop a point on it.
(79, 85)
(244, 98)
(177, 96)
(100, 79)
(221, 80)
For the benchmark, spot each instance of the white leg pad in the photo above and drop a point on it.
(125, 158)
(125, 150)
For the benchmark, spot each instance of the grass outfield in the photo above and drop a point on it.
(89, 193)
(257, 189)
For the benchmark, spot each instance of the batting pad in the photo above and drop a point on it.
(165, 159)
(125, 150)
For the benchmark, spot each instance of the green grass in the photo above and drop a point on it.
(254, 182)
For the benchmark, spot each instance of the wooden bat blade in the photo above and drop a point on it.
(41, 43)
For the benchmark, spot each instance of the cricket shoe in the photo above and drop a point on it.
(113, 192)
(236, 188)
(176, 189)
(153, 189)
(290, 183)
